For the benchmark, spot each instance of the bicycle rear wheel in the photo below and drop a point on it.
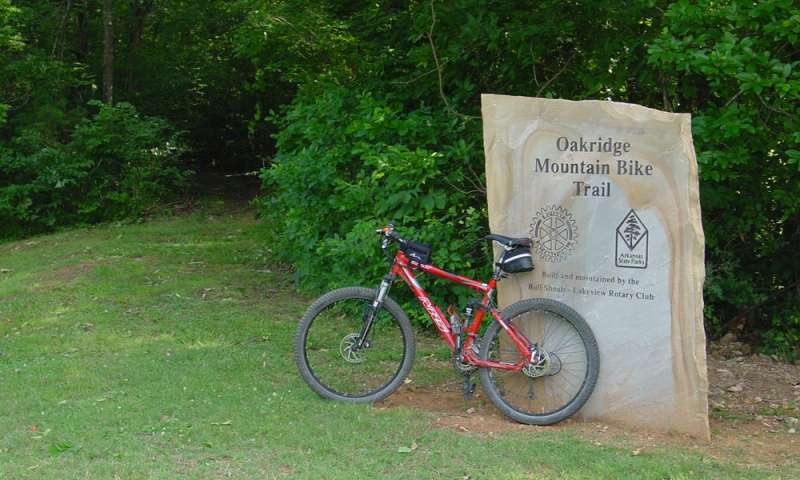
(326, 353)
(551, 392)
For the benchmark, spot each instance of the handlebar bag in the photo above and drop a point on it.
(418, 252)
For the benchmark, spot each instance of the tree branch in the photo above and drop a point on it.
(558, 73)
(439, 68)
(60, 33)
(406, 82)
(773, 109)
(733, 98)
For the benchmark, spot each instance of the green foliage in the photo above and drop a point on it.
(135, 160)
(374, 136)
(10, 38)
(115, 165)
(784, 337)
(10, 41)
(734, 65)
(180, 62)
(312, 42)
(349, 164)
(379, 105)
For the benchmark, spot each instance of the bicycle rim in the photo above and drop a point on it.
(553, 391)
(333, 358)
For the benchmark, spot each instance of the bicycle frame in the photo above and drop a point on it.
(403, 268)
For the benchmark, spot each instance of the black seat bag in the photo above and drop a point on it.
(517, 260)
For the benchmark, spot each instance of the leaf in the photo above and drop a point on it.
(409, 449)
(60, 447)
(428, 202)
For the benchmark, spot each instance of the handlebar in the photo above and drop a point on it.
(389, 234)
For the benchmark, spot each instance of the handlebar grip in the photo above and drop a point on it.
(388, 232)
(396, 236)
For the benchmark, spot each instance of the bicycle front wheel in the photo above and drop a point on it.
(552, 391)
(326, 349)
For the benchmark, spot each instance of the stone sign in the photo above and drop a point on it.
(608, 192)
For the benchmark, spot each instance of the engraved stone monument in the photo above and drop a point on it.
(608, 192)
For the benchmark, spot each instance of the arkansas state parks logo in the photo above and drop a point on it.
(554, 233)
(632, 242)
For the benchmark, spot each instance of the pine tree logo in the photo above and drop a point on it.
(632, 242)
(633, 229)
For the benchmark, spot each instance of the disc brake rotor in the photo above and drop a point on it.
(535, 370)
(346, 349)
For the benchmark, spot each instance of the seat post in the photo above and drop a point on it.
(498, 272)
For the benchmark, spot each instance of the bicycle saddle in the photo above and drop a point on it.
(509, 241)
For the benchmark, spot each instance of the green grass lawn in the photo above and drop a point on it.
(163, 350)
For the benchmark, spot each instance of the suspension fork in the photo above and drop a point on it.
(372, 311)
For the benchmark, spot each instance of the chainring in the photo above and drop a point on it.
(464, 367)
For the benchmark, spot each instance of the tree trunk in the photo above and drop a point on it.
(83, 33)
(141, 9)
(108, 52)
(58, 41)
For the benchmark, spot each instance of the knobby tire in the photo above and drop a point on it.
(328, 364)
(574, 357)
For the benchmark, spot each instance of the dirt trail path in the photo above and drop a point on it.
(237, 190)
(754, 402)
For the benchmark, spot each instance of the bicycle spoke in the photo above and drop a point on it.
(334, 358)
(563, 348)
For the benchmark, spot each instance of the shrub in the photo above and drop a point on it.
(349, 164)
(732, 65)
(115, 165)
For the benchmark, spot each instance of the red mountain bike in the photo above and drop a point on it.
(538, 360)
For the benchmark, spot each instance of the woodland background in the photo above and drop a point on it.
(354, 113)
